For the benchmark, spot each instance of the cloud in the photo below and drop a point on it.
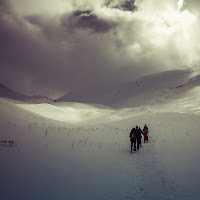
(93, 44)
(85, 19)
(126, 5)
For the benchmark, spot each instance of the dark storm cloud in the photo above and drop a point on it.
(88, 44)
(4, 6)
(86, 19)
(126, 5)
(25, 58)
(39, 52)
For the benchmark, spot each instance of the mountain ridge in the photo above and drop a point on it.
(6, 92)
(172, 84)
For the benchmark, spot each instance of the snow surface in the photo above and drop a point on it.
(68, 150)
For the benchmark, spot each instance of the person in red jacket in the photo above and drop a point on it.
(145, 133)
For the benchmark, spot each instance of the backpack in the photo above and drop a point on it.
(139, 132)
(133, 133)
(145, 130)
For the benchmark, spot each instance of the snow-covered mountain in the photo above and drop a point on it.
(8, 93)
(69, 150)
(151, 89)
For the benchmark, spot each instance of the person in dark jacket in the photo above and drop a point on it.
(137, 138)
(132, 136)
(140, 135)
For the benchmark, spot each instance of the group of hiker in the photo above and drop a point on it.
(136, 137)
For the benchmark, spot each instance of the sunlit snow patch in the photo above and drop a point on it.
(70, 114)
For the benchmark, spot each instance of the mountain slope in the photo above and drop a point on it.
(167, 167)
(8, 93)
(5, 92)
(156, 88)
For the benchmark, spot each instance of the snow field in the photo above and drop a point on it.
(82, 151)
(58, 160)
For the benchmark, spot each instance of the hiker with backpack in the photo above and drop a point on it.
(132, 136)
(145, 133)
(140, 136)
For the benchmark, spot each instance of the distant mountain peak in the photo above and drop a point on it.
(10, 94)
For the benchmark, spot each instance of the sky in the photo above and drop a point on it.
(51, 47)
